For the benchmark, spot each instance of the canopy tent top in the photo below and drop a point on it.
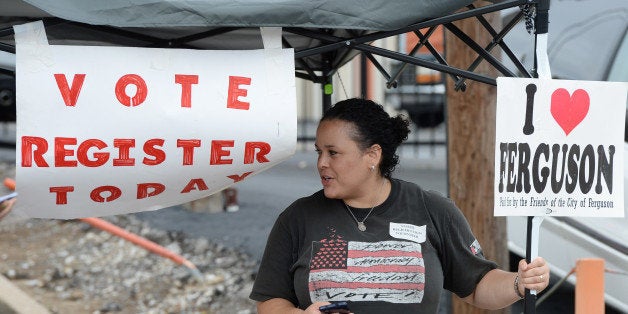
(349, 14)
(324, 34)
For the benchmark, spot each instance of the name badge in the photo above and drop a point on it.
(408, 232)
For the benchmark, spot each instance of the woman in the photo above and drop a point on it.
(382, 244)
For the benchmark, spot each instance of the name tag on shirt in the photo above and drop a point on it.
(408, 232)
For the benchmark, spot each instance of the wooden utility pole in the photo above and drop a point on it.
(471, 144)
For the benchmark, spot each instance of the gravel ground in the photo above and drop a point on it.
(72, 267)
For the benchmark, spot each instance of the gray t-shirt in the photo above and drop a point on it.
(416, 243)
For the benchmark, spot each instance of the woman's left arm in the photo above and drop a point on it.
(496, 290)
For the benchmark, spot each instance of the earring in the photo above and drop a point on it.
(372, 168)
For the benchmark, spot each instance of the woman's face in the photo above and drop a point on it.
(343, 167)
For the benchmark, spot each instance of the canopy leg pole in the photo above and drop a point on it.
(327, 82)
(328, 89)
(363, 77)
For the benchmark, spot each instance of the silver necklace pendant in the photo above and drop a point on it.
(361, 226)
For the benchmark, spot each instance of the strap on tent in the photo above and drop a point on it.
(271, 37)
(542, 27)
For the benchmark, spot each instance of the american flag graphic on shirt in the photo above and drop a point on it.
(390, 271)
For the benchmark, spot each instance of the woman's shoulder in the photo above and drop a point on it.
(314, 198)
(306, 203)
(433, 200)
(411, 187)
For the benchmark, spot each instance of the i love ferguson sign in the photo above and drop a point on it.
(559, 148)
(111, 130)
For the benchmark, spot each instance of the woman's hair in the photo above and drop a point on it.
(372, 126)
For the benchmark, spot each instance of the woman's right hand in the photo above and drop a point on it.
(279, 305)
(313, 309)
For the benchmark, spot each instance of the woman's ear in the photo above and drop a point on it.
(375, 154)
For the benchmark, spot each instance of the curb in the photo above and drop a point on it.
(15, 299)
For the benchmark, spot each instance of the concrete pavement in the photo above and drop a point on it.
(15, 301)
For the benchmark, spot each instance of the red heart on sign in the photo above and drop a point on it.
(569, 110)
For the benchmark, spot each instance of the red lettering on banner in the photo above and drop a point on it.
(124, 145)
(61, 152)
(96, 152)
(62, 193)
(249, 152)
(218, 153)
(195, 184)
(234, 92)
(114, 193)
(237, 178)
(151, 150)
(188, 150)
(186, 82)
(28, 153)
(142, 189)
(140, 94)
(83, 149)
(110, 193)
(70, 94)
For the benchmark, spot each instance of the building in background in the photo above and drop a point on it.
(419, 92)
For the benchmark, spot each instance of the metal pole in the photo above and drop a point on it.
(363, 77)
(327, 82)
(529, 303)
(541, 24)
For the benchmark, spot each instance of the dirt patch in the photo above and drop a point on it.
(71, 267)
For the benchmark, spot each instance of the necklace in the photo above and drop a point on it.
(361, 224)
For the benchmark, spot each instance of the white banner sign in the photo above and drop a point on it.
(112, 130)
(559, 148)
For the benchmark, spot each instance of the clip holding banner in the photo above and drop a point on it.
(31, 42)
(541, 22)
